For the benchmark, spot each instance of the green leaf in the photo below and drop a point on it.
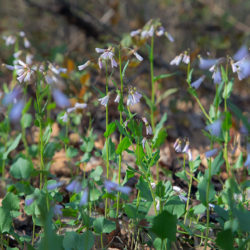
(159, 126)
(97, 173)
(162, 135)
(102, 225)
(239, 162)
(111, 150)
(166, 94)
(46, 134)
(13, 146)
(217, 163)
(227, 90)
(21, 169)
(88, 240)
(164, 226)
(110, 130)
(202, 188)
(131, 211)
(195, 164)
(26, 120)
(160, 189)
(71, 152)
(10, 202)
(142, 185)
(199, 209)
(162, 76)
(124, 69)
(225, 240)
(94, 194)
(123, 145)
(5, 220)
(175, 206)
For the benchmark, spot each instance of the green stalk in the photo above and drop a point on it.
(151, 58)
(188, 198)
(121, 122)
(107, 139)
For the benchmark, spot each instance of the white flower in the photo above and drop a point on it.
(196, 84)
(23, 71)
(26, 43)
(9, 40)
(160, 31)
(84, 66)
(29, 58)
(80, 105)
(190, 156)
(186, 58)
(158, 204)
(56, 69)
(135, 32)
(65, 117)
(139, 57)
(117, 99)
(17, 54)
(186, 147)
(107, 54)
(104, 100)
(214, 128)
(70, 110)
(177, 145)
(22, 34)
(143, 142)
(177, 60)
(133, 97)
(170, 37)
(148, 127)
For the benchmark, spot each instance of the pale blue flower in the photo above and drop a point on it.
(247, 162)
(217, 76)
(124, 189)
(12, 96)
(206, 63)
(177, 60)
(74, 187)
(133, 97)
(84, 198)
(55, 185)
(196, 84)
(242, 67)
(214, 128)
(110, 186)
(58, 210)
(148, 127)
(16, 111)
(61, 100)
(29, 201)
(242, 52)
(211, 153)
(84, 66)
(104, 100)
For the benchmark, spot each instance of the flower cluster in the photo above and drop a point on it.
(112, 186)
(179, 148)
(183, 57)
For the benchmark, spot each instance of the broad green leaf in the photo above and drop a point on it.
(199, 209)
(123, 145)
(5, 220)
(175, 206)
(97, 173)
(131, 211)
(225, 240)
(10, 202)
(13, 146)
(110, 130)
(46, 134)
(159, 126)
(227, 90)
(239, 163)
(145, 192)
(102, 225)
(217, 163)
(26, 120)
(202, 188)
(164, 226)
(21, 169)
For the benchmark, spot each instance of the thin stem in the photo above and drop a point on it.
(151, 58)
(121, 122)
(188, 198)
(107, 139)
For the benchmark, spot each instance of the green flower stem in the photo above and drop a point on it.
(188, 198)
(107, 139)
(121, 123)
(151, 58)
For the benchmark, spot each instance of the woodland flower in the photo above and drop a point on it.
(124, 189)
(117, 99)
(84, 66)
(139, 57)
(160, 31)
(206, 63)
(196, 84)
(214, 128)
(143, 142)
(26, 42)
(133, 97)
(169, 36)
(29, 201)
(84, 197)
(112, 186)
(104, 100)
(58, 210)
(12, 96)
(74, 187)
(247, 162)
(135, 32)
(147, 33)
(61, 100)
(53, 186)
(9, 40)
(177, 145)
(242, 67)
(217, 76)
(190, 156)
(56, 69)
(23, 71)
(65, 117)
(107, 54)
(80, 105)
(148, 127)
(186, 58)
(211, 153)
(177, 60)
(16, 111)
(242, 52)
(186, 147)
